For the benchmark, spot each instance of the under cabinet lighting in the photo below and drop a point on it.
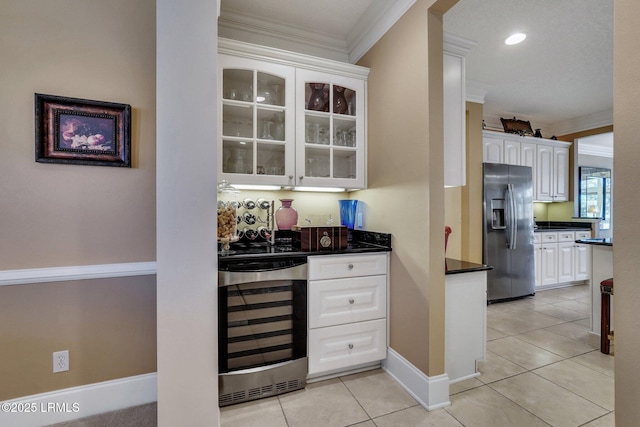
(257, 187)
(320, 189)
(289, 188)
(515, 38)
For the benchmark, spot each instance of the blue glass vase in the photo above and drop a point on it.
(348, 212)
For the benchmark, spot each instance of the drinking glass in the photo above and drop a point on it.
(310, 135)
(266, 130)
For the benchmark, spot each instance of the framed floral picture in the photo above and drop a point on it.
(82, 132)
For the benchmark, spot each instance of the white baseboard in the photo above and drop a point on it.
(431, 392)
(79, 402)
(78, 272)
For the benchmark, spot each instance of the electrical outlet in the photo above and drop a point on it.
(60, 361)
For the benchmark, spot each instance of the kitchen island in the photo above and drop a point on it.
(465, 318)
(601, 269)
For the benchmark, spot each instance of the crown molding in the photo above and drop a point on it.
(285, 57)
(457, 45)
(252, 29)
(366, 32)
(375, 22)
(596, 151)
(582, 123)
(475, 91)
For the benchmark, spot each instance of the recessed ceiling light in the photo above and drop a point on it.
(515, 38)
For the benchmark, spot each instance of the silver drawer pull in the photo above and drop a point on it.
(351, 301)
(350, 266)
(350, 346)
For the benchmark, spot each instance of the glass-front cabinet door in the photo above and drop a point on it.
(257, 122)
(330, 130)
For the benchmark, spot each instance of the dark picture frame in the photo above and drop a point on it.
(82, 132)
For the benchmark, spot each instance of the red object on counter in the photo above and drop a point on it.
(447, 231)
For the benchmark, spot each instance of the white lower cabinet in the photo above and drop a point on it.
(548, 259)
(345, 346)
(582, 257)
(347, 312)
(465, 323)
(566, 263)
(559, 259)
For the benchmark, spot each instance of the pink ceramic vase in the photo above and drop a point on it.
(286, 215)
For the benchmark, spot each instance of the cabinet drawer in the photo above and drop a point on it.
(343, 346)
(583, 235)
(339, 301)
(566, 236)
(537, 238)
(549, 237)
(343, 266)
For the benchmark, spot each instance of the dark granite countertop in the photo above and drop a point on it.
(547, 226)
(552, 229)
(359, 242)
(608, 241)
(456, 266)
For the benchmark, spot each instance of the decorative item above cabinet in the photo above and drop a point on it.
(290, 120)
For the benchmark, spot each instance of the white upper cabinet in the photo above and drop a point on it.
(454, 103)
(256, 128)
(548, 160)
(290, 120)
(528, 157)
(454, 121)
(552, 181)
(330, 131)
(492, 150)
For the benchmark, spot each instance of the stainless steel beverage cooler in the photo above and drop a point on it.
(262, 335)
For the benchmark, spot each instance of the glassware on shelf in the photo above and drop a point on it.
(275, 98)
(264, 92)
(278, 132)
(311, 167)
(319, 99)
(266, 130)
(340, 137)
(310, 133)
(322, 135)
(235, 163)
(236, 127)
(228, 203)
(350, 138)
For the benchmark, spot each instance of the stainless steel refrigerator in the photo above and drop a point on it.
(508, 231)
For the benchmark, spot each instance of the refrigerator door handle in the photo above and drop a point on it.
(512, 221)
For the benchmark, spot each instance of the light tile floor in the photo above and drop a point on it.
(542, 368)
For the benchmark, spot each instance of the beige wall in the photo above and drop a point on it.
(472, 192)
(108, 326)
(65, 215)
(405, 157)
(626, 234)
(463, 205)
